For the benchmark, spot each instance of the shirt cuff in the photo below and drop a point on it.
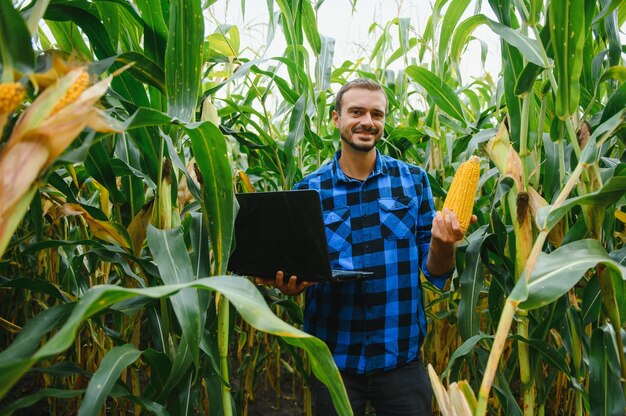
(438, 280)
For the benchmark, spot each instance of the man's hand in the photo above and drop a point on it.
(289, 287)
(446, 228)
(445, 233)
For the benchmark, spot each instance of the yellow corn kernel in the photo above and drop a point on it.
(460, 199)
(11, 95)
(80, 85)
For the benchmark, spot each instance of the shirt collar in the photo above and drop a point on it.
(380, 168)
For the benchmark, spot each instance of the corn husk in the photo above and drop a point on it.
(40, 135)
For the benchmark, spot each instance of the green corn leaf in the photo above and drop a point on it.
(98, 164)
(28, 401)
(87, 18)
(100, 385)
(209, 149)
(611, 191)
(239, 291)
(550, 355)
(198, 234)
(309, 26)
(468, 346)
(29, 339)
(16, 50)
(296, 69)
(471, 285)
(617, 72)
(183, 58)
(531, 71)
(296, 133)
(290, 95)
(35, 15)
(160, 368)
(323, 65)
(462, 35)
(591, 302)
(183, 359)
(155, 29)
(612, 30)
(526, 46)
(442, 95)
(117, 391)
(132, 185)
(567, 23)
(35, 285)
(68, 38)
(536, 7)
(608, 7)
(404, 23)
(559, 271)
(225, 41)
(400, 52)
(289, 23)
(502, 389)
(187, 396)
(382, 40)
(616, 103)
(147, 117)
(170, 254)
(450, 19)
(110, 15)
(144, 69)
(606, 396)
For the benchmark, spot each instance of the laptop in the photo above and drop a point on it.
(284, 230)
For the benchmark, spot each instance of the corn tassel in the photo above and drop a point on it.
(460, 199)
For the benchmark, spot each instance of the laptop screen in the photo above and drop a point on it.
(280, 230)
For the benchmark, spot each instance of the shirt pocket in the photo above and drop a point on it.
(338, 231)
(397, 218)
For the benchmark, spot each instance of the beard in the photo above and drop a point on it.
(361, 146)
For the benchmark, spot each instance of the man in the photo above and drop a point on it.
(379, 217)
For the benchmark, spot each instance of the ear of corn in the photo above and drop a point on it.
(11, 95)
(460, 199)
(80, 84)
(38, 138)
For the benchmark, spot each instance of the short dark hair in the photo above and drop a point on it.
(363, 83)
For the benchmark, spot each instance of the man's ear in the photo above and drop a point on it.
(336, 118)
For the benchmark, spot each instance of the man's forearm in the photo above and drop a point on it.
(440, 257)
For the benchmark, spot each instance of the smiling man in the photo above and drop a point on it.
(379, 216)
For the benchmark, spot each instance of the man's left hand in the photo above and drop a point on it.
(446, 228)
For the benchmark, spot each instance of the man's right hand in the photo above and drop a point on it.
(289, 286)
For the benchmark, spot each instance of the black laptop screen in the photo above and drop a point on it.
(280, 231)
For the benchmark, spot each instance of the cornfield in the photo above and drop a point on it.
(126, 128)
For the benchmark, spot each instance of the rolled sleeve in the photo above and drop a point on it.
(438, 280)
(425, 221)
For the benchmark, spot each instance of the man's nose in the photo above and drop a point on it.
(367, 119)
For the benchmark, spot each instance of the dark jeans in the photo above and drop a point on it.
(402, 391)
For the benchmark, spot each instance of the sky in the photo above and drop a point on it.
(350, 30)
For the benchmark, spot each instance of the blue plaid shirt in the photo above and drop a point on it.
(381, 225)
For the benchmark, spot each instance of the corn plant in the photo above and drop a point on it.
(88, 283)
(545, 131)
(125, 258)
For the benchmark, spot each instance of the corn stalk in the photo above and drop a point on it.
(513, 301)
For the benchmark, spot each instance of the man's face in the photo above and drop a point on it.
(362, 119)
